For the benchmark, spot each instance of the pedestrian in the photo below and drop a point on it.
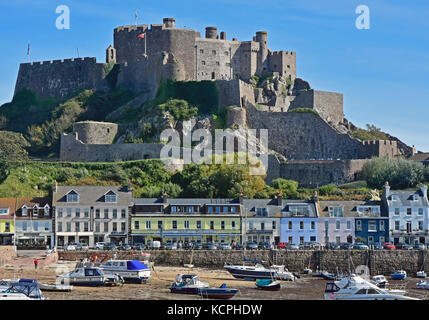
(36, 263)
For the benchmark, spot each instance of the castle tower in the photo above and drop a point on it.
(211, 33)
(110, 54)
(169, 22)
(262, 38)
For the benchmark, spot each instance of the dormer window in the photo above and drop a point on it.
(110, 197)
(35, 210)
(72, 196)
(4, 211)
(415, 197)
(24, 210)
(46, 210)
(335, 211)
(394, 197)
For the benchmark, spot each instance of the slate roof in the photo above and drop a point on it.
(405, 199)
(349, 207)
(92, 195)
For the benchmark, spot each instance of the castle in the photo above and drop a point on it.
(316, 147)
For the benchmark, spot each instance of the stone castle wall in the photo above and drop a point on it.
(92, 132)
(60, 78)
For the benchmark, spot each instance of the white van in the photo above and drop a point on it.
(155, 245)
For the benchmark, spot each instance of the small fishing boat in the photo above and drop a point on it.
(55, 287)
(423, 284)
(217, 293)
(308, 271)
(421, 274)
(133, 271)
(268, 284)
(24, 289)
(399, 275)
(90, 277)
(188, 283)
(282, 273)
(330, 276)
(380, 281)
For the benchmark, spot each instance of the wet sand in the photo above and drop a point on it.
(157, 287)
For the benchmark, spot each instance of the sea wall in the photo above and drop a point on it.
(378, 261)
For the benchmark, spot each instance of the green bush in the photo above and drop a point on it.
(179, 110)
(304, 110)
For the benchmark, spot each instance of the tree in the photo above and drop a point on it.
(12, 151)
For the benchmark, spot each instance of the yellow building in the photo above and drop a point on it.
(7, 224)
(186, 220)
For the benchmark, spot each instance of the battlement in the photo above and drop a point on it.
(48, 62)
(392, 143)
(129, 28)
(282, 52)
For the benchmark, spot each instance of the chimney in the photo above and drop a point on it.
(316, 196)
(386, 190)
(164, 197)
(424, 190)
(279, 198)
(55, 186)
(240, 198)
(211, 32)
(129, 187)
(169, 22)
(223, 35)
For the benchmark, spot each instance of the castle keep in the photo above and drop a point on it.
(313, 145)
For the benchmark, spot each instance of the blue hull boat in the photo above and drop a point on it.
(217, 293)
(399, 275)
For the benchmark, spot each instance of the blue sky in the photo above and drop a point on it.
(382, 72)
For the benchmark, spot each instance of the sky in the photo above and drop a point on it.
(382, 71)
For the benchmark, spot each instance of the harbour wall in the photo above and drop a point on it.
(378, 261)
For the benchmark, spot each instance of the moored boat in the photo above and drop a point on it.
(24, 289)
(90, 276)
(380, 281)
(399, 275)
(423, 284)
(217, 293)
(55, 287)
(268, 284)
(421, 274)
(188, 284)
(132, 271)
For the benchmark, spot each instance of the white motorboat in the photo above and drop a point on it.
(354, 287)
(24, 289)
(89, 276)
(282, 273)
(258, 271)
(380, 281)
(421, 274)
(133, 271)
(188, 283)
(423, 284)
(5, 283)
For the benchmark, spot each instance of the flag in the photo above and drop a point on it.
(28, 49)
(141, 36)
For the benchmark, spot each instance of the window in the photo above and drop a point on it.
(372, 226)
(214, 52)
(211, 225)
(396, 211)
(217, 63)
(381, 225)
(97, 213)
(233, 209)
(201, 51)
(86, 213)
(313, 225)
(274, 225)
(217, 209)
(290, 225)
(46, 210)
(326, 224)
(348, 225)
(408, 211)
(420, 225)
(371, 239)
(337, 225)
(251, 225)
(97, 226)
(35, 226)
(114, 227)
(186, 224)
(233, 225)
(148, 225)
(68, 226)
(115, 213)
(210, 209)
(4, 211)
(301, 225)
(72, 196)
(136, 224)
(123, 213)
(35, 211)
(394, 197)
(7, 227)
(77, 213)
(24, 211)
(335, 211)
(261, 212)
(69, 212)
(24, 226)
(301, 240)
(226, 53)
(299, 210)
(85, 227)
(222, 225)
(123, 226)
(60, 227)
(159, 224)
(198, 224)
(47, 226)
(77, 227)
(290, 239)
(382, 239)
(359, 225)
(106, 227)
(262, 226)
(110, 197)
(203, 63)
(106, 213)
(397, 225)
(174, 224)
(173, 209)
(60, 212)
(420, 211)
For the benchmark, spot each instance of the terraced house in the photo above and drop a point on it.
(186, 220)
(91, 214)
(408, 214)
(34, 223)
(7, 225)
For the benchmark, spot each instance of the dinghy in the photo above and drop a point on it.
(268, 284)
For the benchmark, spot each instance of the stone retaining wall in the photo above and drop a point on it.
(378, 261)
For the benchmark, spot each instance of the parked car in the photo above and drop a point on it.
(346, 246)
(197, 246)
(139, 246)
(407, 246)
(399, 246)
(282, 245)
(209, 246)
(238, 247)
(110, 246)
(251, 245)
(292, 246)
(100, 245)
(264, 245)
(224, 246)
(389, 246)
(155, 245)
(171, 246)
(419, 246)
(82, 247)
(70, 247)
(360, 246)
(378, 246)
(332, 246)
(125, 247)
